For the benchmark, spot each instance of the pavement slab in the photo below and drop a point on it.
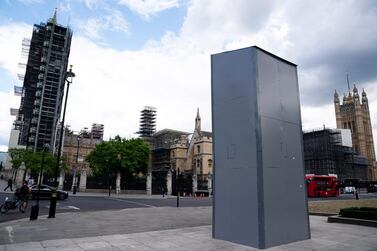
(161, 228)
(200, 238)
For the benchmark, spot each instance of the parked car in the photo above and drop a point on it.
(349, 190)
(372, 189)
(46, 191)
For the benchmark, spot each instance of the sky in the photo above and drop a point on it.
(128, 54)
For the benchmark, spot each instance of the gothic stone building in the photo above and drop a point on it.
(77, 146)
(354, 115)
(175, 150)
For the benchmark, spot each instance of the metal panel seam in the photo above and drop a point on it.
(214, 157)
(258, 135)
(303, 158)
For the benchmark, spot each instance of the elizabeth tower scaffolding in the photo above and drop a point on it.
(43, 86)
(354, 115)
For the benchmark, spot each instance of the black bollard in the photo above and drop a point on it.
(34, 212)
(51, 213)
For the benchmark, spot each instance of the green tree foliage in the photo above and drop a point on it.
(33, 160)
(129, 156)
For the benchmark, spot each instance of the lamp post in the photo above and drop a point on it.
(108, 179)
(35, 209)
(178, 187)
(354, 175)
(77, 165)
(69, 74)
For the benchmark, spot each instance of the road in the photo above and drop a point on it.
(89, 203)
(362, 196)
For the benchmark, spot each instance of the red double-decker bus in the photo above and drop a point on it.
(321, 185)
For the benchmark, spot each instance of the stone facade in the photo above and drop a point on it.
(174, 150)
(354, 115)
(77, 147)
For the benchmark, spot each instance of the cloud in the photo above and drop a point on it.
(8, 100)
(148, 8)
(113, 89)
(27, 2)
(11, 36)
(90, 4)
(94, 27)
(326, 39)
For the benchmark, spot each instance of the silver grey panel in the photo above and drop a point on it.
(236, 162)
(259, 192)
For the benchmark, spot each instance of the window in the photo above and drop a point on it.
(198, 147)
(209, 163)
(173, 154)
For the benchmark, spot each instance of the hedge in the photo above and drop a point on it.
(366, 213)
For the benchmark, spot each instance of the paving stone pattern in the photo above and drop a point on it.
(162, 229)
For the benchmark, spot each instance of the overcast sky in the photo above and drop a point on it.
(131, 53)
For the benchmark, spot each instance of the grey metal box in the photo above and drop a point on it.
(259, 189)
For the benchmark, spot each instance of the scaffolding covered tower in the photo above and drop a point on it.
(47, 55)
(147, 122)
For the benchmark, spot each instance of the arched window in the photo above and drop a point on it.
(209, 163)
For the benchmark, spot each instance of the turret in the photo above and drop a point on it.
(364, 98)
(336, 97)
(356, 95)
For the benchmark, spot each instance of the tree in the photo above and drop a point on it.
(33, 160)
(130, 156)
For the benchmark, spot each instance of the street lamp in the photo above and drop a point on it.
(35, 209)
(354, 175)
(77, 165)
(178, 186)
(69, 74)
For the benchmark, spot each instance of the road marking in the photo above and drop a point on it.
(10, 233)
(66, 207)
(72, 207)
(137, 203)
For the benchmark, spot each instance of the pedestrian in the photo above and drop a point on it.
(163, 192)
(23, 195)
(30, 182)
(9, 185)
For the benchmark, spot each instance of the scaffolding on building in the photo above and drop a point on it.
(97, 131)
(147, 122)
(324, 154)
(47, 55)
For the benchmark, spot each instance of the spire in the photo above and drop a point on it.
(54, 17)
(197, 121)
(348, 83)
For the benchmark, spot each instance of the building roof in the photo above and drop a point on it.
(205, 134)
(169, 131)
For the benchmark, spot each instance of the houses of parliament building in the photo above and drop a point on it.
(353, 114)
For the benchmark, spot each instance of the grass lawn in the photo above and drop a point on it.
(333, 206)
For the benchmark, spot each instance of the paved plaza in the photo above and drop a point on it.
(163, 228)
